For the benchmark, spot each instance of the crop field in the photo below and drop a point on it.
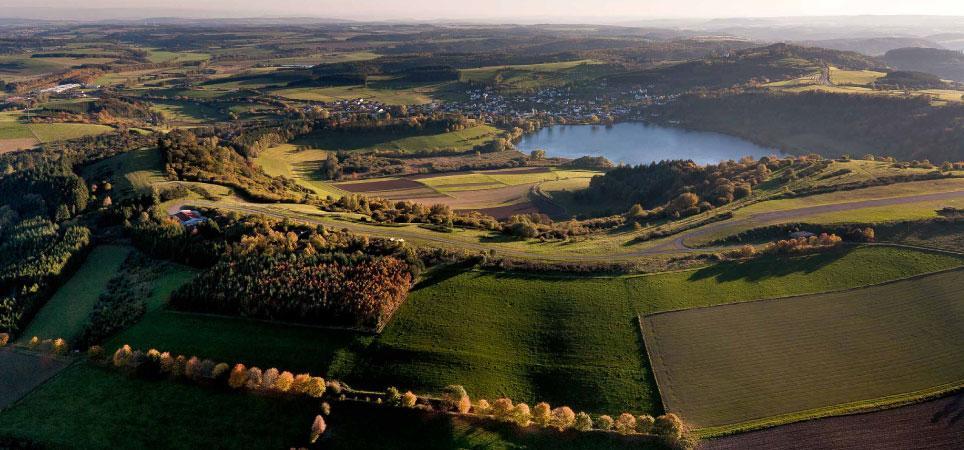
(930, 424)
(463, 140)
(854, 77)
(795, 357)
(20, 372)
(66, 312)
(131, 174)
(533, 76)
(50, 132)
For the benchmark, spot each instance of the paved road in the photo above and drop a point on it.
(676, 244)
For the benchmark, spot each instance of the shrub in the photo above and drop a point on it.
(455, 398)
(325, 408)
(166, 363)
(192, 369)
(219, 370)
(644, 424)
(4, 339)
(482, 407)
(521, 415)
(269, 378)
(316, 387)
(392, 396)
(299, 385)
(668, 426)
(540, 414)
(180, 365)
(254, 379)
(95, 353)
(317, 428)
(238, 377)
(604, 423)
(502, 409)
(409, 399)
(34, 342)
(625, 423)
(334, 386)
(583, 422)
(284, 381)
(562, 418)
(122, 356)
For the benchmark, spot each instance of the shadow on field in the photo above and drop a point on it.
(953, 411)
(441, 274)
(768, 267)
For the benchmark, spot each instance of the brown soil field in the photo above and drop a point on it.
(379, 186)
(9, 145)
(521, 170)
(20, 372)
(929, 425)
(504, 212)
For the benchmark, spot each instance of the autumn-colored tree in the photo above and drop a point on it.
(644, 424)
(166, 363)
(521, 414)
(180, 364)
(562, 418)
(317, 428)
(392, 396)
(454, 397)
(409, 399)
(583, 422)
(238, 377)
(316, 387)
(4, 339)
(482, 407)
(668, 426)
(625, 424)
(540, 414)
(300, 383)
(122, 356)
(284, 381)
(269, 378)
(255, 378)
(59, 346)
(192, 369)
(604, 423)
(502, 409)
(219, 370)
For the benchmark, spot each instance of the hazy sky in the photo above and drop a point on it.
(498, 9)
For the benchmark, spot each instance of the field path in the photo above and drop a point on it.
(676, 244)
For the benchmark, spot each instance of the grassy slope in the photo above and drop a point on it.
(132, 173)
(738, 363)
(411, 96)
(406, 142)
(66, 313)
(49, 132)
(561, 339)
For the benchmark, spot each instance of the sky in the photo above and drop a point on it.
(524, 10)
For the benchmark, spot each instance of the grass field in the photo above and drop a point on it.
(533, 76)
(89, 407)
(131, 174)
(66, 312)
(463, 140)
(50, 132)
(566, 340)
(744, 362)
(854, 77)
(189, 113)
(389, 96)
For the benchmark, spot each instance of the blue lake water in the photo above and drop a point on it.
(640, 143)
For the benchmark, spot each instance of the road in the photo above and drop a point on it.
(671, 245)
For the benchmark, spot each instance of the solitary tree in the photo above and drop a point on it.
(317, 428)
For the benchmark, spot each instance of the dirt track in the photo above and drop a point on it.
(932, 424)
(668, 246)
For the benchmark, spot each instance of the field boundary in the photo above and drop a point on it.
(843, 409)
(789, 297)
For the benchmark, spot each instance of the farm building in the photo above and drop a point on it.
(189, 218)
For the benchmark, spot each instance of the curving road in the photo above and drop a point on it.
(675, 244)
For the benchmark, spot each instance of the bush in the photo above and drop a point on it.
(35, 342)
(180, 365)
(192, 368)
(668, 426)
(238, 377)
(94, 353)
(482, 407)
(325, 409)
(392, 396)
(122, 356)
(454, 397)
(299, 385)
(502, 409)
(583, 422)
(334, 386)
(317, 428)
(4, 339)
(254, 379)
(409, 399)
(284, 381)
(316, 387)
(521, 415)
(562, 418)
(644, 424)
(604, 423)
(540, 414)
(625, 424)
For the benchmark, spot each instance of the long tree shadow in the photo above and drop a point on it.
(769, 267)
